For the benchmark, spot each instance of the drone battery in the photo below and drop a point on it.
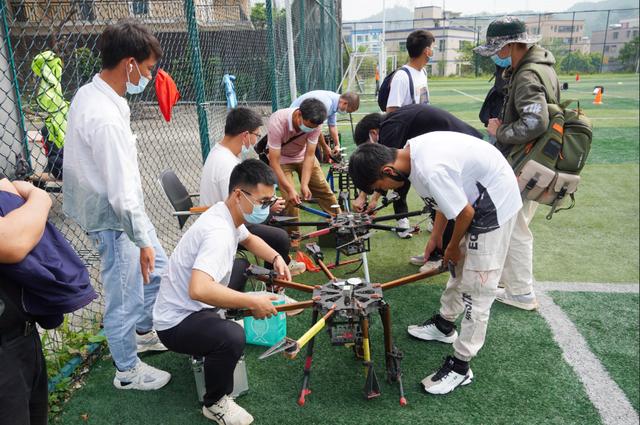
(343, 333)
(328, 240)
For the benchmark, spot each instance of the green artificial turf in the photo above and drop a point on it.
(520, 378)
(609, 323)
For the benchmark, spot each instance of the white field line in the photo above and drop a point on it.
(468, 95)
(589, 287)
(607, 397)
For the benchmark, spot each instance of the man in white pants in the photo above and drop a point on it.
(472, 183)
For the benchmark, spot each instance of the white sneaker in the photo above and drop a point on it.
(296, 267)
(226, 412)
(404, 224)
(524, 302)
(430, 265)
(141, 377)
(289, 300)
(446, 380)
(429, 332)
(149, 342)
(417, 260)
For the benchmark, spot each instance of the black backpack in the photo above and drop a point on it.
(385, 88)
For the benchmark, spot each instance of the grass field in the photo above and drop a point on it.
(521, 374)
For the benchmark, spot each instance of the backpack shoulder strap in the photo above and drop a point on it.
(413, 99)
(544, 79)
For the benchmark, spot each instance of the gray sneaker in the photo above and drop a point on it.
(524, 302)
(149, 342)
(226, 412)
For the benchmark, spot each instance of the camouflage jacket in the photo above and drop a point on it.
(524, 115)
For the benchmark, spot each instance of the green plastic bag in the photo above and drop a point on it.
(266, 332)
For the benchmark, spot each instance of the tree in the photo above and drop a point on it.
(259, 16)
(629, 55)
(485, 64)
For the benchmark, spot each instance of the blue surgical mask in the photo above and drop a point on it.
(139, 88)
(248, 153)
(306, 129)
(258, 214)
(503, 63)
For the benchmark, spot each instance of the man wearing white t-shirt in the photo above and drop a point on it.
(204, 275)
(241, 133)
(404, 91)
(472, 183)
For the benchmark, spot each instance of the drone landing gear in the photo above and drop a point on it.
(393, 355)
(305, 391)
(371, 386)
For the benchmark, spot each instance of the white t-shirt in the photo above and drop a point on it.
(214, 183)
(449, 170)
(399, 92)
(210, 246)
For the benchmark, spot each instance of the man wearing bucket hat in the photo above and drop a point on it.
(524, 118)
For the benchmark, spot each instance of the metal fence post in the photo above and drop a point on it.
(302, 50)
(477, 32)
(272, 55)
(16, 87)
(606, 30)
(196, 65)
(323, 35)
(573, 21)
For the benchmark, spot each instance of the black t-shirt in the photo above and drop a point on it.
(12, 314)
(411, 121)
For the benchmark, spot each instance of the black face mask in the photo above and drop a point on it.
(400, 177)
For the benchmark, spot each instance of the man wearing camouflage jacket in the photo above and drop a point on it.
(525, 117)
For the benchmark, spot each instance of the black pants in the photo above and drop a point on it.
(23, 381)
(400, 206)
(221, 343)
(446, 236)
(276, 237)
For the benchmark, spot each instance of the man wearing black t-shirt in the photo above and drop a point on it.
(393, 130)
(23, 373)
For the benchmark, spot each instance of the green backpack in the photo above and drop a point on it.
(548, 168)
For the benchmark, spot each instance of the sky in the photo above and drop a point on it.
(359, 9)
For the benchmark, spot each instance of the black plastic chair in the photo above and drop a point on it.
(179, 198)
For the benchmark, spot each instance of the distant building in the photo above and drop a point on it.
(363, 36)
(568, 32)
(610, 41)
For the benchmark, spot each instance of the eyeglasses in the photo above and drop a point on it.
(258, 135)
(264, 203)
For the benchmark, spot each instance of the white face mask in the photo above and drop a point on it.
(139, 88)
(248, 152)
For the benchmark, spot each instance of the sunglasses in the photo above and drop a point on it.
(264, 203)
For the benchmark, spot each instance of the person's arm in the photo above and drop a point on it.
(531, 104)
(118, 169)
(463, 221)
(283, 182)
(360, 202)
(307, 167)
(204, 288)
(373, 202)
(262, 250)
(22, 228)
(333, 130)
(391, 109)
(324, 146)
(435, 240)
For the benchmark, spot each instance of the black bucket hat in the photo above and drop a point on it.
(504, 31)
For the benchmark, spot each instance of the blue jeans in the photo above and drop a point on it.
(128, 302)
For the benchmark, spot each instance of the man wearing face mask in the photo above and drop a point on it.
(335, 103)
(103, 194)
(292, 139)
(204, 276)
(525, 117)
(412, 75)
(241, 133)
(472, 183)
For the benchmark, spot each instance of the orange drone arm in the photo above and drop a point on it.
(411, 278)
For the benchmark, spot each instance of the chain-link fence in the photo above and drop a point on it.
(202, 40)
(581, 41)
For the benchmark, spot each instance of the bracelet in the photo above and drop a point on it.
(274, 258)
